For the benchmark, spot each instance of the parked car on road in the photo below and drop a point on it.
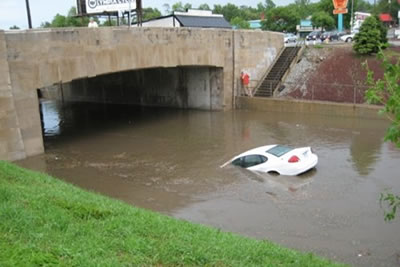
(276, 159)
(289, 38)
(332, 35)
(312, 36)
(348, 38)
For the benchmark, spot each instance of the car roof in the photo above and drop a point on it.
(263, 150)
(257, 150)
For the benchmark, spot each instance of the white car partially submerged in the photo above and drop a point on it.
(276, 159)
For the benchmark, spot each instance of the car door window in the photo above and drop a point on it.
(253, 160)
(238, 162)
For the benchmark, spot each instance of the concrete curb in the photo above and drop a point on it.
(310, 107)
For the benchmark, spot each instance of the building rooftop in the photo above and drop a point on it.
(196, 19)
(203, 21)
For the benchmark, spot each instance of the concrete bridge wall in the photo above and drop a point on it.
(38, 58)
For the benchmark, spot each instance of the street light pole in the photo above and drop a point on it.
(28, 11)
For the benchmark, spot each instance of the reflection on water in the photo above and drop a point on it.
(51, 121)
(364, 160)
(168, 161)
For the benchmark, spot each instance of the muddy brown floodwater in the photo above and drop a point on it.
(168, 161)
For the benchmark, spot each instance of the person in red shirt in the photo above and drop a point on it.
(245, 82)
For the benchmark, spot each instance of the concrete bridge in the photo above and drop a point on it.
(181, 67)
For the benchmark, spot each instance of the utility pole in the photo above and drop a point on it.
(28, 11)
(352, 16)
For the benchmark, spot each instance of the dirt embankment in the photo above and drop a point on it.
(333, 73)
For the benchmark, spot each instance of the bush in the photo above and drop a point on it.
(371, 37)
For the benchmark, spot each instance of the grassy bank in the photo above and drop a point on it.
(44, 221)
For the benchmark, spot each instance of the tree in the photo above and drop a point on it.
(15, 27)
(262, 9)
(386, 91)
(240, 23)
(229, 11)
(204, 7)
(150, 13)
(303, 8)
(383, 31)
(178, 6)
(327, 6)
(323, 20)
(363, 6)
(387, 6)
(249, 13)
(269, 4)
(109, 23)
(67, 21)
(167, 9)
(281, 19)
(368, 40)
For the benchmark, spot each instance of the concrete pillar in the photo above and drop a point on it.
(20, 127)
(11, 144)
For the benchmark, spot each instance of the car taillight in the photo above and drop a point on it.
(294, 159)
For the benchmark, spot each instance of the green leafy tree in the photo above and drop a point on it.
(249, 13)
(151, 13)
(281, 19)
(15, 27)
(67, 21)
(178, 6)
(386, 91)
(229, 11)
(327, 6)
(387, 6)
(303, 8)
(109, 23)
(204, 7)
(264, 8)
(383, 30)
(59, 21)
(363, 6)
(368, 40)
(323, 20)
(269, 4)
(240, 23)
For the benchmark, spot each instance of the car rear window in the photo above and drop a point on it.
(279, 150)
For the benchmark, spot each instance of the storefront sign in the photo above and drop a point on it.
(340, 6)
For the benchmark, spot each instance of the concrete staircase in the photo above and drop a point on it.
(276, 74)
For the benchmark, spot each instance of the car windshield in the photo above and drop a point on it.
(279, 150)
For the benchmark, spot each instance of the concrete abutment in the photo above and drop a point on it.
(206, 62)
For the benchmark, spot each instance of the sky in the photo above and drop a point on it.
(13, 12)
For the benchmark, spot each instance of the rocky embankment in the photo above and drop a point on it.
(332, 73)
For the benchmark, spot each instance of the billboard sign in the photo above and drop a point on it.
(340, 6)
(100, 6)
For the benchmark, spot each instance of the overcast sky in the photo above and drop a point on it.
(13, 12)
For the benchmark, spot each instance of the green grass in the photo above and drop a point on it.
(318, 46)
(44, 221)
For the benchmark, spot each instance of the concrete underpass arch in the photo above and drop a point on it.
(39, 58)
